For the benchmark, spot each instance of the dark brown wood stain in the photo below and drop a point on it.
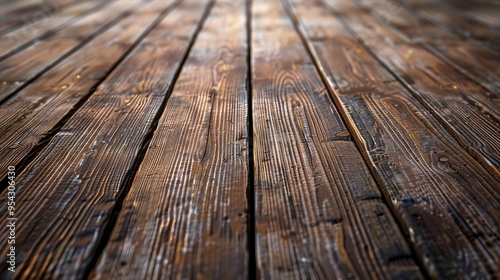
(251, 139)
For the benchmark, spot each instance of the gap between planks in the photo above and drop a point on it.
(468, 169)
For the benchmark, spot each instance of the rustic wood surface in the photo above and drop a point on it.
(185, 214)
(26, 65)
(456, 22)
(251, 139)
(404, 146)
(315, 196)
(481, 10)
(64, 201)
(23, 13)
(477, 61)
(467, 110)
(46, 102)
(22, 37)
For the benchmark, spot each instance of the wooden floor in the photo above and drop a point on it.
(245, 139)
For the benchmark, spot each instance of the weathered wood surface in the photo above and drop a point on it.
(468, 111)
(425, 173)
(318, 208)
(26, 12)
(76, 205)
(454, 21)
(185, 214)
(21, 68)
(484, 11)
(475, 60)
(12, 41)
(32, 113)
(12, 9)
(233, 139)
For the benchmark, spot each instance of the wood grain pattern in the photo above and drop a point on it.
(267, 139)
(468, 111)
(19, 69)
(319, 212)
(454, 21)
(37, 30)
(67, 195)
(27, 12)
(185, 214)
(34, 111)
(445, 200)
(475, 60)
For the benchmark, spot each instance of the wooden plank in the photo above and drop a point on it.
(185, 215)
(39, 107)
(14, 7)
(445, 201)
(454, 22)
(19, 69)
(403, 19)
(475, 60)
(29, 12)
(467, 110)
(66, 196)
(483, 11)
(319, 213)
(38, 30)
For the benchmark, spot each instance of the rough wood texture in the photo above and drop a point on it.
(27, 12)
(446, 201)
(455, 22)
(234, 139)
(468, 111)
(475, 60)
(66, 215)
(35, 110)
(185, 214)
(318, 209)
(19, 69)
(37, 30)
(484, 11)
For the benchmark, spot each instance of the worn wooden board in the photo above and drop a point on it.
(11, 42)
(185, 214)
(454, 21)
(475, 60)
(319, 212)
(39, 107)
(66, 211)
(27, 12)
(17, 7)
(467, 110)
(360, 177)
(445, 201)
(481, 10)
(394, 14)
(21, 68)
